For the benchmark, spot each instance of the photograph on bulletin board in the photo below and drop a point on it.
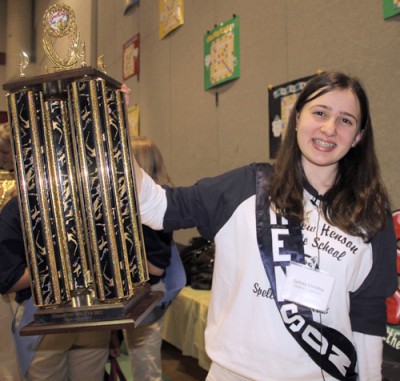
(281, 100)
(221, 53)
(391, 8)
(133, 121)
(171, 16)
(130, 57)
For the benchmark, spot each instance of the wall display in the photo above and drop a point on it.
(133, 121)
(391, 8)
(281, 100)
(171, 16)
(222, 53)
(130, 57)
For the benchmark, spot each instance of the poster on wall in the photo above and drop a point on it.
(130, 57)
(391, 347)
(391, 8)
(133, 121)
(221, 53)
(171, 16)
(281, 100)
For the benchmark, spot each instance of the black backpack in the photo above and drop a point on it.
(198, 261)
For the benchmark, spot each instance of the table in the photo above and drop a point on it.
(184, 323)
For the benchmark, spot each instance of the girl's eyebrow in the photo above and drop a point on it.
(340, 112)
(350, 115)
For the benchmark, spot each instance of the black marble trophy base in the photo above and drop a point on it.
(98, 316)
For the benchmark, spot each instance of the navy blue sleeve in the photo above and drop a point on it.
(158, 246)
(209, 203)
(12, 251)
(368, 303)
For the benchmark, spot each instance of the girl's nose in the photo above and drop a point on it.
(329, 127)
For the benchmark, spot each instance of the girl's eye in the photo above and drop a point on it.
(319, 113)
(347, 121)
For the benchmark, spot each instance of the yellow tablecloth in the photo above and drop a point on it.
(185, 321)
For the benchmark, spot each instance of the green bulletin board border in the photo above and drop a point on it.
(390, 8)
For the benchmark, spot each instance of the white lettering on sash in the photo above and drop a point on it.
(313, 337)
(341, 361)
(296, 321)
(277, 244)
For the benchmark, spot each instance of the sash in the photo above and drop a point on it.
(328, 348)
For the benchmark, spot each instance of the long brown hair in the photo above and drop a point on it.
(358, 202)
(150, 159)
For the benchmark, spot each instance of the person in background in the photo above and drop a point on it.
(9, 369)
(305, 248)
(144, 342)
(61, 357)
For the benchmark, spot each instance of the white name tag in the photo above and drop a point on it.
(307, 287)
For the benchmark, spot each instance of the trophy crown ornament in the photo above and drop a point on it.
(59, 22)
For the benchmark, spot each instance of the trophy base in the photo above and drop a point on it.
(100, 316)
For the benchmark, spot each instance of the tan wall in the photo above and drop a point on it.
(280, 40)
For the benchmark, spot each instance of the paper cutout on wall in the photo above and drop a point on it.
(171, 16)
(133, 121)
(130, 58)
(221, 53)
(281, 100)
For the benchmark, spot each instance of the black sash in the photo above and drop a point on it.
(335, 354)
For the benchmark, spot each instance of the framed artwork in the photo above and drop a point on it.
(3, 117)
(391, 8)
(281, 100)
(130, 57)
(133, 120)
(171, 16)
(221, 53)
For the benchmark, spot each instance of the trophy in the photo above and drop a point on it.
(77, 194)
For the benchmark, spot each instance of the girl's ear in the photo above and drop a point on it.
(358, 138)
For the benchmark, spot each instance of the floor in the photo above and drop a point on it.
(175, 366)
(180, 368)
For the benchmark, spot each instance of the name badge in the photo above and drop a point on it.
(307, 287)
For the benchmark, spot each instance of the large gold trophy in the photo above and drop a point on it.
(77, 192)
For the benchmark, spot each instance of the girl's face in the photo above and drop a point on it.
(327, 128)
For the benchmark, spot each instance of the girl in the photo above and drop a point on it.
(305, 249)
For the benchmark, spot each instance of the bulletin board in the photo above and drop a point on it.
(221, 53)
(281, 100)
